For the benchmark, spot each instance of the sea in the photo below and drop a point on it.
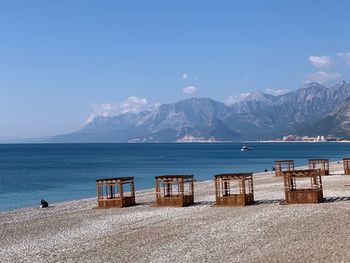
(61, 172)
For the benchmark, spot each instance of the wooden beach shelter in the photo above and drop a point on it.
(346, 163)
(115, 192)
(235, 189)
(283, 165)
(322, 164)
(303, 186)
(174, 190)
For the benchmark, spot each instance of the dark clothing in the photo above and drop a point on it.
(44, 203)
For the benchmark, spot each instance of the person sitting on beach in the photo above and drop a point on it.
(44, 203)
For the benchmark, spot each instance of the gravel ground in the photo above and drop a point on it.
(265, 232)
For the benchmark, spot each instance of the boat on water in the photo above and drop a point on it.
(246, 148)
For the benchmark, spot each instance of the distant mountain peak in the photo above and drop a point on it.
(339, 85)
(257, 93)
(314, 85)
(259, 96)
(258, 116)
(196, 100)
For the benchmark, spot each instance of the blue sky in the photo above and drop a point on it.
(63, 62)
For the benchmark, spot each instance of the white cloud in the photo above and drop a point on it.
(322, 77)
(320, 61)
(235, 98)
(190, 90)
(184, 76)
(129, 105)
(276, 92)
(345, 56)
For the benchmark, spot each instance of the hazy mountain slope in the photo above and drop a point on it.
(336, 124)
(258, 116)
(200, 117)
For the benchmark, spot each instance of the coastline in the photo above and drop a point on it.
(76, 231)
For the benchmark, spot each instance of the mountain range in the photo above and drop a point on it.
(311, 110)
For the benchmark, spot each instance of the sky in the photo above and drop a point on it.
(64, 62)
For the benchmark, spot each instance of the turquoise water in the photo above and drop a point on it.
(59, 172)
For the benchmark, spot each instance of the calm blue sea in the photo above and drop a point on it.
(59, 172)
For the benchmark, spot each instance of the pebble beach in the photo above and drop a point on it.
(267, 231)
